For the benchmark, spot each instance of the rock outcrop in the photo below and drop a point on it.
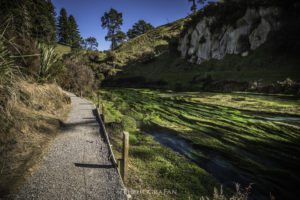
(200, 44)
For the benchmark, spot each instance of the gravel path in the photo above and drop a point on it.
(77, 164)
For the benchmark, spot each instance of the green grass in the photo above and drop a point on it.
(62, 49)
(151, 44)
(154, 55)
(233, 126)
(262, 64)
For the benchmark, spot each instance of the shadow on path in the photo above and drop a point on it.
(93, 166)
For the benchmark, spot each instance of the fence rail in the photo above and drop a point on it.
(121, 164)
(111, 154)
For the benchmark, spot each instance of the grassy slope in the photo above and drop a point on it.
(261, 64)
(153, 56)
(32, 117)
(155, 41)
(62, 49)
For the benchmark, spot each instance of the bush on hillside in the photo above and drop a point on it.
(78, 78)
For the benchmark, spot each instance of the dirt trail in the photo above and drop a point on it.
(77, 164)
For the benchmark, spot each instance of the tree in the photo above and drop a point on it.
(194, 6)
(51, 14)
(79, 78)
(32, 19)
(73, 32)
(63, 35)
(120, 37)
(91, 42)
(42, 15)
(68, 32)
(113, 20)
(139, 28)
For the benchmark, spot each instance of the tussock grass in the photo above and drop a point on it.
(30, 118)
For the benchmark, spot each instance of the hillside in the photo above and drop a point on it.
(153, 59)
(31, 117)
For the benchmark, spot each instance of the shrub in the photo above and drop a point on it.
(79, 78)
(93, 56)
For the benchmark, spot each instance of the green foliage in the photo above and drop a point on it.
(273, 61)
(113, 20)
(100, 76)
(139, 28)
(149, 45)
(194, 5)
(128, 123)
(218, 125)
(63, 35)
(31, 18)
(62, 49)
(68, 32)
(48, 58)
(73, 33)
(6, 62)
(91, 43)
(133, 139)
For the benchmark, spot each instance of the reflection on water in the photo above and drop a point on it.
(213, 163)
(222, 166)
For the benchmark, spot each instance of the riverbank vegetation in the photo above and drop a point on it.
(236, 137)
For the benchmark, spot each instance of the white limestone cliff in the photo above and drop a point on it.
(199, 44)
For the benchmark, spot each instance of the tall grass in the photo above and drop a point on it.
(6, 61)
(239, 194)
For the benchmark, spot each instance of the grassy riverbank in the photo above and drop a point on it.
(235, 138)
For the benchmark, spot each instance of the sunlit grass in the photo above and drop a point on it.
(233, 126)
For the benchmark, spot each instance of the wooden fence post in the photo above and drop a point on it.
(119, 161)
(103, 108)
(125, 155)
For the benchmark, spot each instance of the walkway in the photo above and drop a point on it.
(77, 164)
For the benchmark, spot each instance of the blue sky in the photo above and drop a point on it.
(87, 13)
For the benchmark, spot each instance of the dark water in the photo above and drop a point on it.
(213, 163)
(288, 120)
(225, 169)
(219, 166)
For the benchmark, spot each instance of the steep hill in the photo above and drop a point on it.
(179, 55)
